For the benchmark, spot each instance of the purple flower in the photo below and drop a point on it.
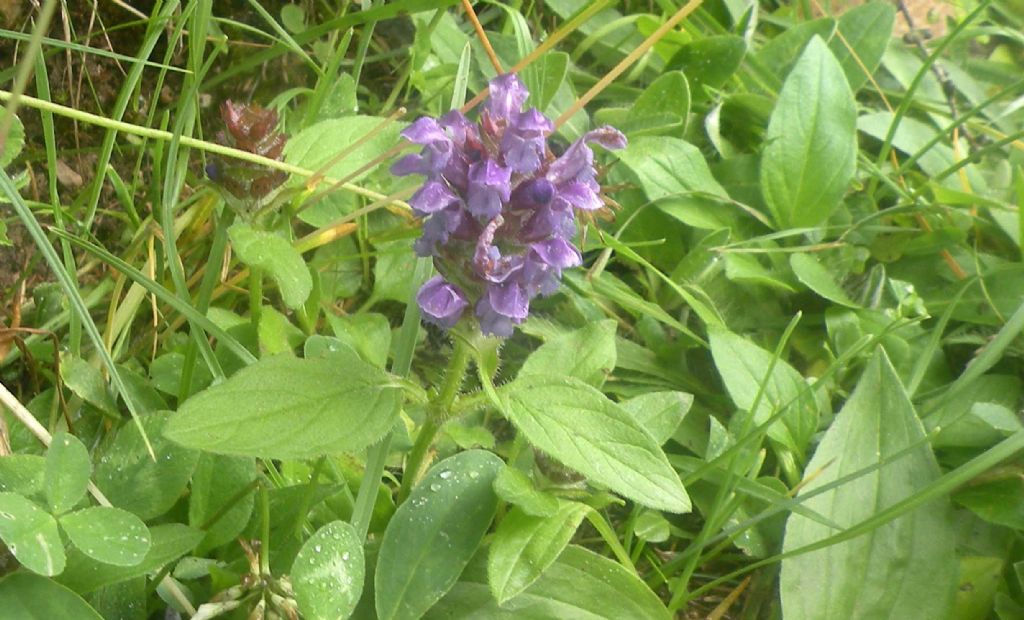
(577, 162)
(499, 209)
(432, 197)
(491, 322)
(507, 96)
(436, 154)
(488, 189)
(525, 141)
(441, 303)
(543, 267)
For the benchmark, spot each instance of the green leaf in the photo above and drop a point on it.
(132, 480)
(659, 412)
(1000, 501)
(22, 474)
(434, 534)
(288, 408)
(276, 333)
(516, 488)
(779, 53)
(979, 580)
(866, 30)
(393, 272)
(810, 144)
(31, 535)
(169, 542)
(673, 172)
(217, 480)
(87, 383)
(110, 535)
(524, 547)
(905, 568)
(14, 142)
(819, 279)
(293, 17)
(580, 585)
(24, 596)
(978, 417)
(124, 601)
(369, 334)
(320, 144)
(669, 94)
(166, 372)
(548, 73)
(68, 469)
(275, 256)
(911, 137)
(587, 354)
(744, 366)
(709, 62)
(328, 572)
(579, 426)
(652, 527)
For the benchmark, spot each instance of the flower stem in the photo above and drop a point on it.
(376, 456)
(437, 412)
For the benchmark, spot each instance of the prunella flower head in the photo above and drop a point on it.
(499, 207)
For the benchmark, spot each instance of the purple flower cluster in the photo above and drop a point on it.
(499, 207)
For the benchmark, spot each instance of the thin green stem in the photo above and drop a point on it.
(377, 455)
(264, 531)
(437, 412)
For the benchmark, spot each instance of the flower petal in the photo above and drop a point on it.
(580, 195)
(442, 303)
(489, 189)
(510, 299)
(432, 197)
(558, 253)
(424, 130)
(507, 96)
(492, 323)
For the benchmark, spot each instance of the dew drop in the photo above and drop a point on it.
(474, 475)
(446, 474)
(435, 487)
(345, 556)
(317, 548)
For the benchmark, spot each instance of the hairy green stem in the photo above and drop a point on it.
(437, 412)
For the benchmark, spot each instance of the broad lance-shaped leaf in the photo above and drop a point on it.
(288, 408)
(673, 172)
(434, 534)
(277, 257)
(744, 366)
(903, 569)
(810, 144)
(579, 426)
(587, 354)
(328, 572)
(866, 32)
